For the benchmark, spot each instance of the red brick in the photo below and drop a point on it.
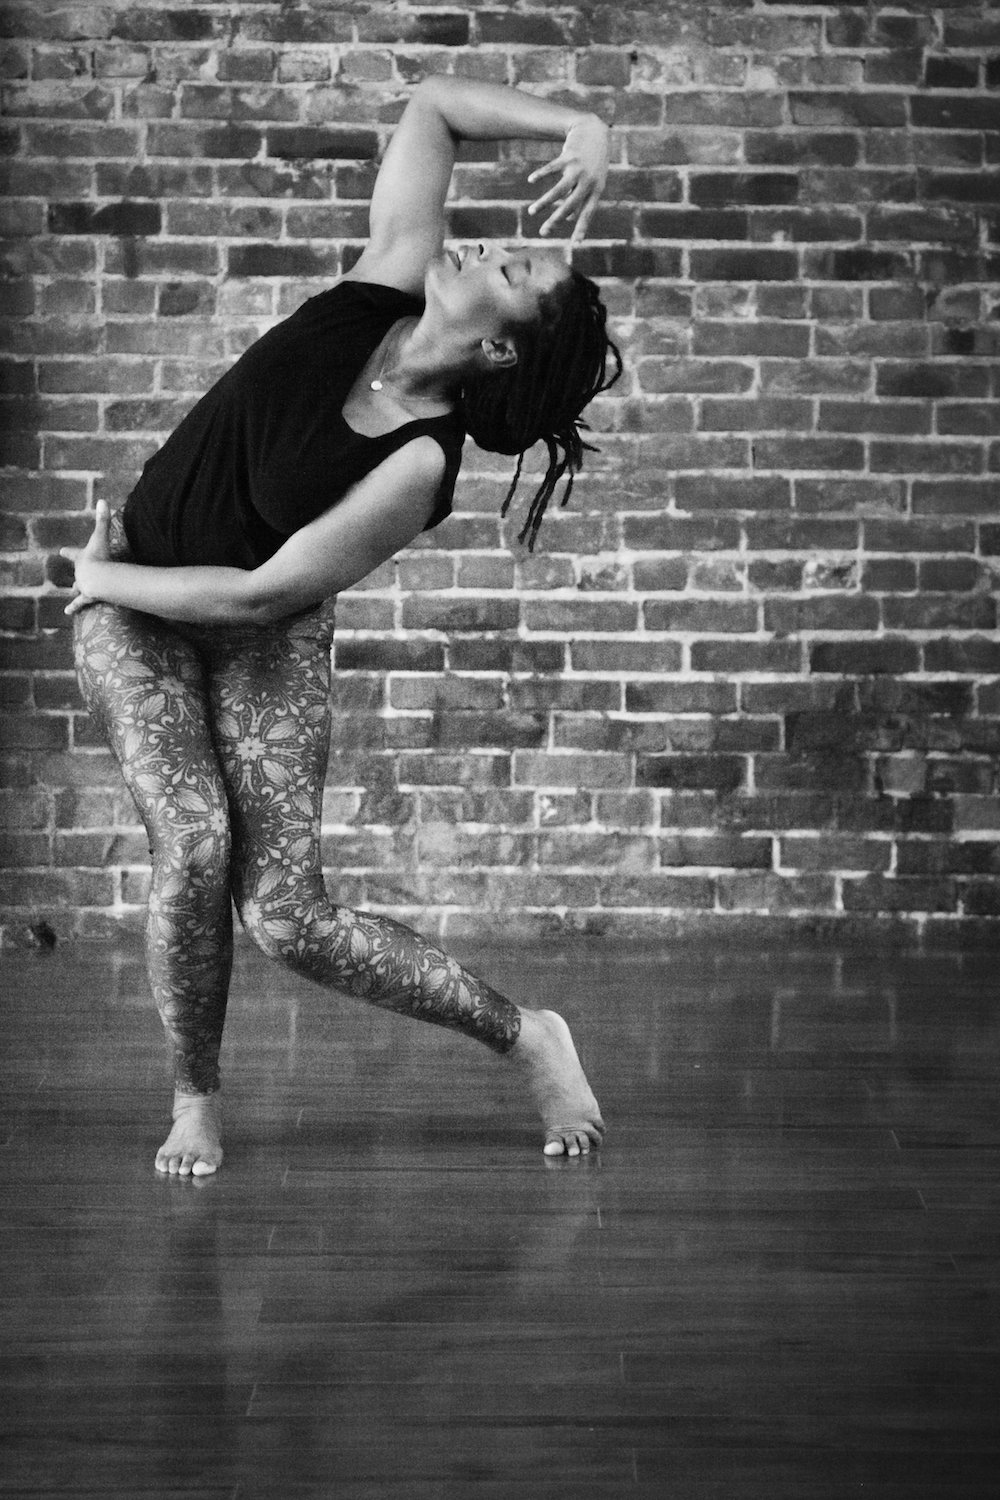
(905, 417)
(702, 616)
(630, 809)
(744, 265)
(815, 453)
(723, 773)
(723, 492)
(659, 890)
(670, 526)
(569, 768)
(875, 893)
(940, 612)
(865, 657)
(563, 809)
(827, 612)
(745, 656)
(773, 892)
(980, 898)
(815, 377)
(625, 656)
(721, 850)
(918, 536)
(693, 224)
(834, 852)
(627, 853)
(580, 695)
(680, 697)
(970, 654)
(506, 729)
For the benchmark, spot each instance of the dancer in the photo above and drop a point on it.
(203, 610)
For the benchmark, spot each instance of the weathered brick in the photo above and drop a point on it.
(808, 453)
(875, 416)
(722, 850)
(878, 893)
(865, 657)
(774, 892)
(280, 260)
(659, 890)
(791, 251)
(704, 616)
(693, 224)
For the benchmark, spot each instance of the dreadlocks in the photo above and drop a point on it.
(561, 366)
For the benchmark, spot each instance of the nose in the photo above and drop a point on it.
(487, 250)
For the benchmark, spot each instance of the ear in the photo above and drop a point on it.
(500, 352)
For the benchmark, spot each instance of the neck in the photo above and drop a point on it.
(420, 365)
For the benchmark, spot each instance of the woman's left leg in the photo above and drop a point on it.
(270, 693)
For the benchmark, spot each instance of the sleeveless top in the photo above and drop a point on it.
(267, 449)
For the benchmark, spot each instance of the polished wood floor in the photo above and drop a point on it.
(779, 1278)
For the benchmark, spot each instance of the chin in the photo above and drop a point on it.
(436, 277)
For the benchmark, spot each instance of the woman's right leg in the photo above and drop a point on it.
(145, 687)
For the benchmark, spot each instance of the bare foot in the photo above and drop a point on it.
(194, 1146)
(558, 1084)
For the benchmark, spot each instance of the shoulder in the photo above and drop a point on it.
(417, 466)
(388, 270)
(424, 459)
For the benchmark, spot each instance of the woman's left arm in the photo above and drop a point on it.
(406, 219)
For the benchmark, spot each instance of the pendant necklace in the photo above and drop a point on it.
(380, 381)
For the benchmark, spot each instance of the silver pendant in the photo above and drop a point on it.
(376, 385)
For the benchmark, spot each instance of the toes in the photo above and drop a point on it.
(563, 1144)
(572, 1142)
(203, 1168)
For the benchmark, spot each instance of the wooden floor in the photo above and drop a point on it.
(779, 1278)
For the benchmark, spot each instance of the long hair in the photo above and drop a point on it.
(562, 364)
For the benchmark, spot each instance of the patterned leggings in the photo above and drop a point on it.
(222, 736)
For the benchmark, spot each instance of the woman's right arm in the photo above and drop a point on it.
(408, 202)
(383, 513)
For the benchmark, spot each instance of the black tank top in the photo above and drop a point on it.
(267, 449)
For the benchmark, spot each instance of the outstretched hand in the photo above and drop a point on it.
(98, 549)
(583, 168)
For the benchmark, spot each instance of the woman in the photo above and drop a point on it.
(203, 612)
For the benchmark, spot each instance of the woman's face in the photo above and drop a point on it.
(484, 291)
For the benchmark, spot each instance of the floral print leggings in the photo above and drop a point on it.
(222, 735)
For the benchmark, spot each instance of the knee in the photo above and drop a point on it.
(271, 925)
(285, 923)
(197, 853)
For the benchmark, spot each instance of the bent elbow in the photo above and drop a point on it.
(266, 606)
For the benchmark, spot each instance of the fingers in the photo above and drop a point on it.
(553, 166)
(567, 207)
(564, 185)
(78, 603)
(573, 192)
(586, 214)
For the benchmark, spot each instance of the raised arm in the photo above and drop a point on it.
(407, 215)
(380, 515)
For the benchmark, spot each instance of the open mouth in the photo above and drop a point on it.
(455, 259)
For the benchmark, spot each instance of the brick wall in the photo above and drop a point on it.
(752, 676)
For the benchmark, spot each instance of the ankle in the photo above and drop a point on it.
(530, 1034)
(185, 1101)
